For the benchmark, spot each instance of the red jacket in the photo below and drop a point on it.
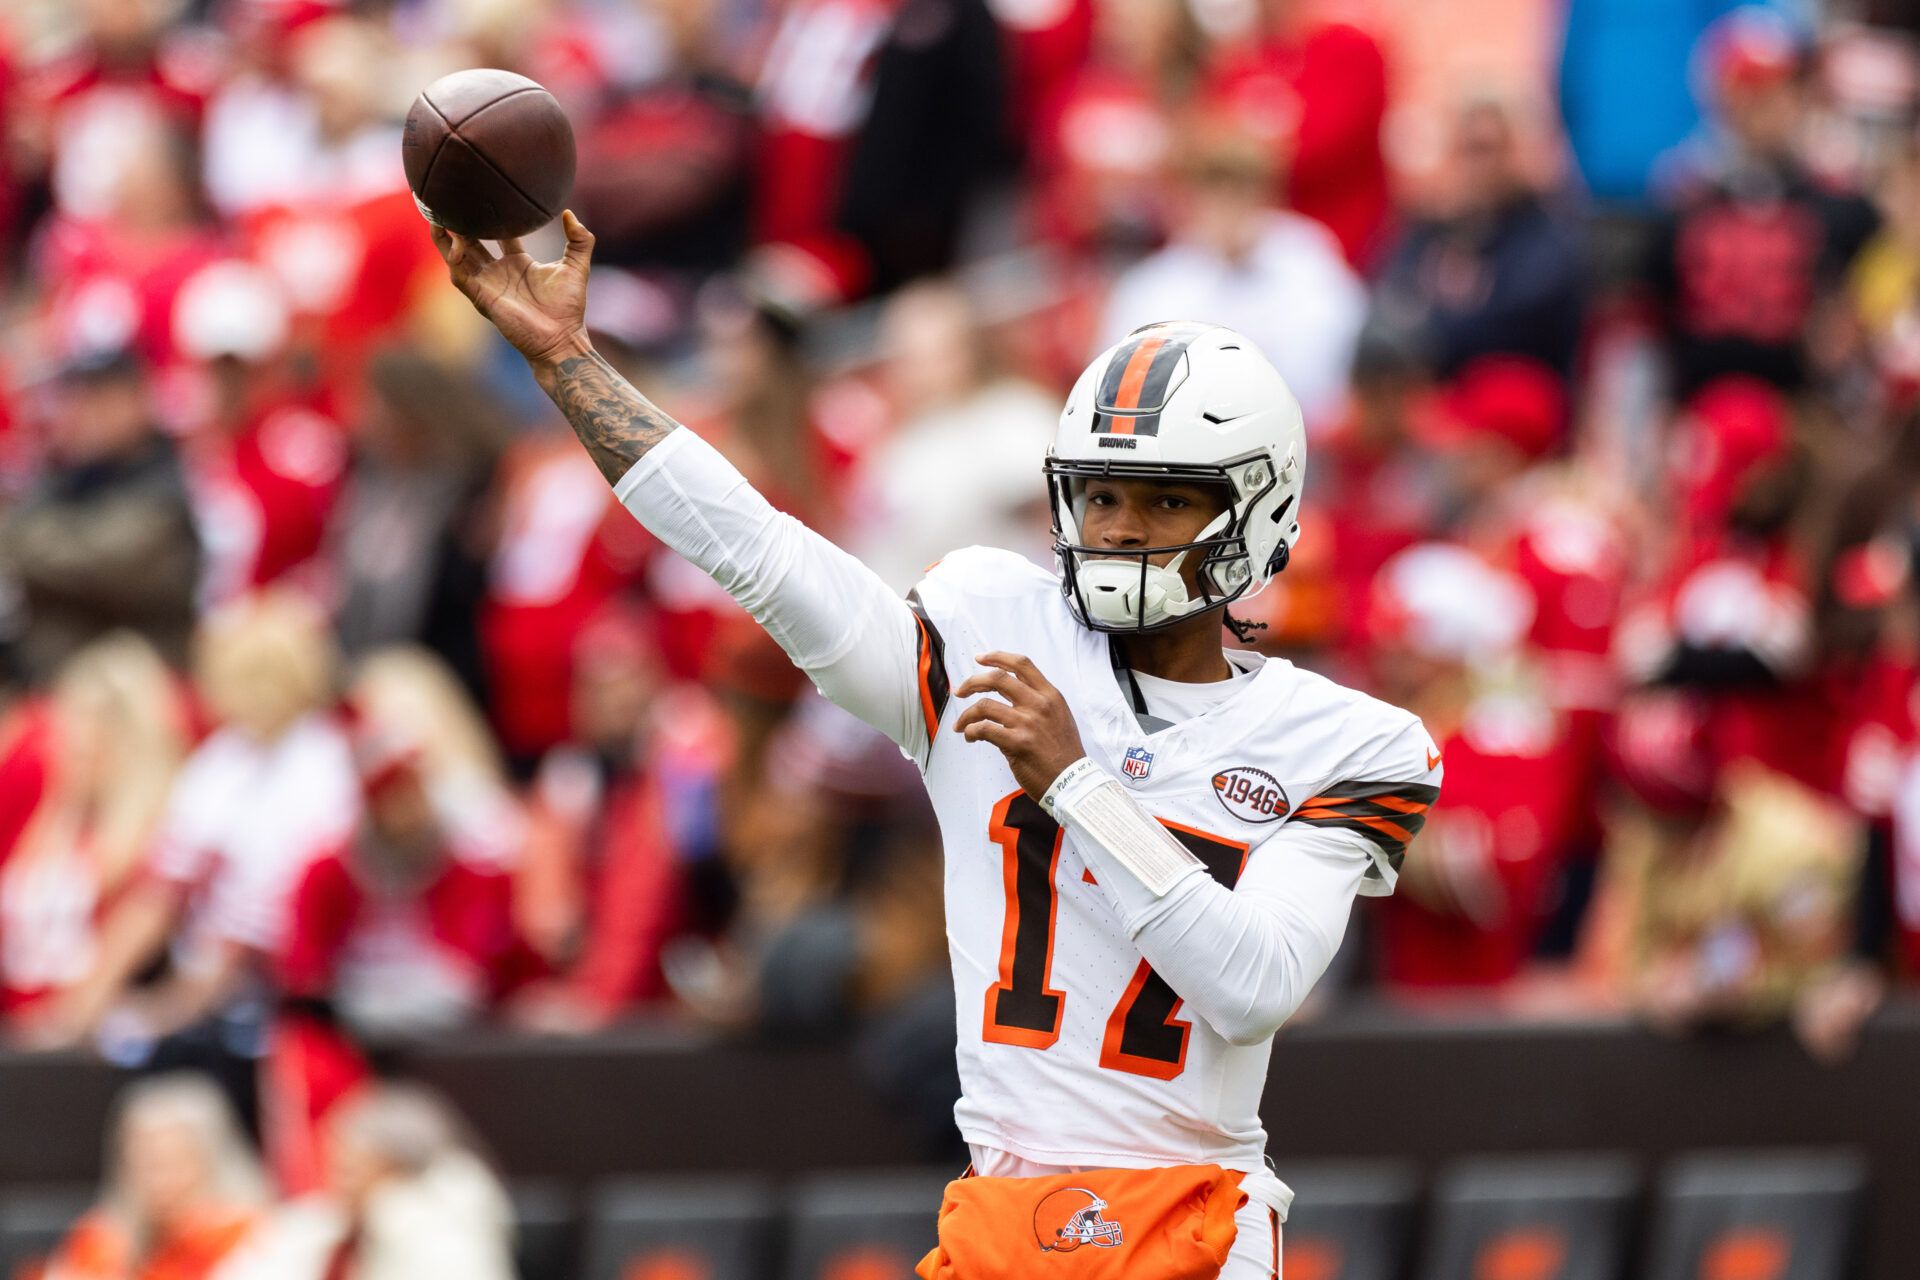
(1326, 88)
(462, 918)
(1512, 800)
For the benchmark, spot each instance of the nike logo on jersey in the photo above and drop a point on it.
(1433, 760)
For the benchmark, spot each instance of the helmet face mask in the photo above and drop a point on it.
(1177, 404)
(1141, 589)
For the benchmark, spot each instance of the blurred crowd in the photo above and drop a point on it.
(344, 706)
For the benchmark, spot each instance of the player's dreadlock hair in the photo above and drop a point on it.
(1243, 630)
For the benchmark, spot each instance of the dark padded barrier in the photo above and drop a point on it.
(546, 1236)
(33, 1222)
(1349, 1221)
(672, 1228)
(1361, 1083)
(1759, 1216)
(862, 1226)
(1538, 1218)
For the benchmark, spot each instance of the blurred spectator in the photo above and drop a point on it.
(105, 537)
(961, 467)
(1752, 242)
(665, 165)
(1375, 493)
(85, 778)
(1727, 625)
(807, 818)
(342, 234)
(765, 410)
(623, 848)
(1726, 920)
(113, 275)
(406, 1198)
(1496, 419)
(406, 927)
(902, 990)
(1885, 282)
(1236, 259)
(760, 406)
(1499, 273)
(880, 126)
(265, 468)
(182, 1189)
(408, 537)
(271, 787)
(10, 192)
(1313, 89)
(1449, 632)
(1104, 142)
(563, 548)
(85, 111)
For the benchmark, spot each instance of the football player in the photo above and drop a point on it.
(1152, 841)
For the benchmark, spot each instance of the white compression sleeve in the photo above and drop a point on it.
(1242, 959)
(835, 618)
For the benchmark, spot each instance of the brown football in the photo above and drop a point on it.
(488, 154)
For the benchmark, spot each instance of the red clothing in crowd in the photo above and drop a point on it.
(1573, 556)
(457, 928)
(354, 259)
(1101, 148)
(1510, 807)
(1321, 94)
(1736, 596)
(9, 115)
(815, 88)
(1046, 44)
(106, 286)
(35, 946)
(263, 498)
(84, 103)
(100, 1248)
(1370, 504)
(611, 868)
(565, 547)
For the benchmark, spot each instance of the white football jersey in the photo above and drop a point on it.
(1073, 1051)
(1291, 791)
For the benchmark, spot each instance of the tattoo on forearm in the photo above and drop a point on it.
(613, 420)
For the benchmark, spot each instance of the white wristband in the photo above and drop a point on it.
(1099, 811)
(1071, 779)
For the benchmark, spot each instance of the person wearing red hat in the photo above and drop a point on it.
(1500, 417)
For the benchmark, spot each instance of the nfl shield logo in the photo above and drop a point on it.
(1138, 762)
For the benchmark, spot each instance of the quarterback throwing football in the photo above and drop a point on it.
(1152, 842)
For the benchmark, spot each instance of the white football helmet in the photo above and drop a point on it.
(1185, 402)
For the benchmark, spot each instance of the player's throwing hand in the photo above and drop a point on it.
(1032, 726)
(540, 307)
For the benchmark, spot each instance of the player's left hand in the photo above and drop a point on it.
(1029, 721)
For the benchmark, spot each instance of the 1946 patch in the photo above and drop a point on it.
(1251, 795)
